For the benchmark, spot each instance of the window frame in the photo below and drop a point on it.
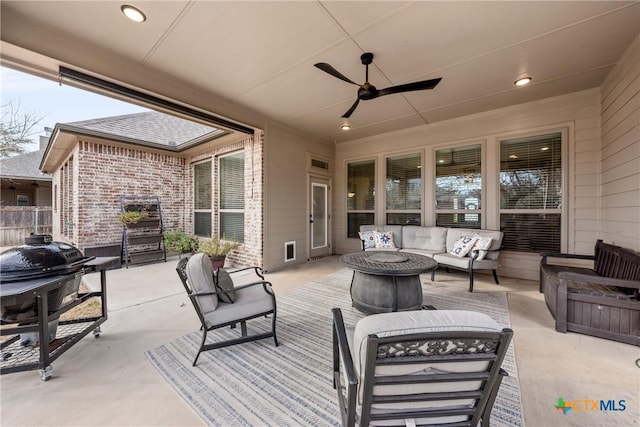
(419, 211)
(482, 209)
(346, 193)
(219, 198)
(566, 147)
(200, 210)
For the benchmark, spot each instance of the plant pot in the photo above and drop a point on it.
(217, 262)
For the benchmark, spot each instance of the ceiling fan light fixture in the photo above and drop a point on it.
(345, 126)
(133, 13)
(522, 81)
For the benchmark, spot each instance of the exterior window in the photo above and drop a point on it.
(361, 193)
(404, 189)
(459, 187)
(231, 179)
(202, 199)
(531, 193)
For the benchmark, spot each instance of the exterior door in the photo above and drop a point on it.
(319, 241)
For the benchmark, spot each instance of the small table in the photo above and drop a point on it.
(387, 281)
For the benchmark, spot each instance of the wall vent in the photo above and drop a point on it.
(289, 251)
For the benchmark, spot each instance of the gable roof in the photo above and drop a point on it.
(23, 166)
(150, 127)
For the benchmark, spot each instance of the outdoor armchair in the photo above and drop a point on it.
(435, 367)
(226, 299)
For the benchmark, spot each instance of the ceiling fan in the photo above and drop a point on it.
(367, 90)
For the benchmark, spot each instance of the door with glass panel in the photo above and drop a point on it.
(319, 242)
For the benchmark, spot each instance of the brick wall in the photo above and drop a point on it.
(251, 251)
(101, 172)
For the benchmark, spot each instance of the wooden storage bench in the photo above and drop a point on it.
(602, 301)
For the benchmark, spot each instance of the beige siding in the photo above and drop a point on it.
(578, 114)
(286, 195)
(620, 178)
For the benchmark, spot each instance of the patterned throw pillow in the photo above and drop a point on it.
(225, 283)
(384, 240)
(482, 246)
(368, 238)
(463, 245)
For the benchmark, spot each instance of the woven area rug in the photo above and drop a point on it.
(258, 384)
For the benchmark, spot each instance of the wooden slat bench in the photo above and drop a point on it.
(602, 301)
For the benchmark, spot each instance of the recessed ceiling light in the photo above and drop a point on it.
(523, 81)
(544, 148)
(133, 13)
(345, 126)
(441, 161)
(513, 156)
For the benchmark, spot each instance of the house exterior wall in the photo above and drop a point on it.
(103, 171)
(287, 193)
(253, 147)
(620, 152)
(576, 114)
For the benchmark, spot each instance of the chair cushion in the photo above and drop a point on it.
(224, 283)
(420, 321)
(250, 301)
(200, 276)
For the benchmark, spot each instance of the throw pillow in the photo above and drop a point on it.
(368, 239)
(463, 245)
(482, 246)
(384, 240)
(224, 284)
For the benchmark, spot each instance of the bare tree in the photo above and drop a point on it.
(16, 128)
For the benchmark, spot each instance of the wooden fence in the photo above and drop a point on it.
(17, 222)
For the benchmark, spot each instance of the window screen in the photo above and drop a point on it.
(459, 187)
(531, 193)
(361, 194)
(232, 196)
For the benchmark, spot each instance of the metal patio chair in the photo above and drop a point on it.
(436, 367)
(246, 295)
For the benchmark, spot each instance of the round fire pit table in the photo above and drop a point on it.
(387, 281)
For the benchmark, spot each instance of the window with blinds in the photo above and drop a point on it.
(231, 179)
(202, 199)
(459, 186)
(361, 193)
(531, 193)
(404, 189)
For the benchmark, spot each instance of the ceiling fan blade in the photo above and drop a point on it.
(352, 109)
(335, 73)
(408, 87)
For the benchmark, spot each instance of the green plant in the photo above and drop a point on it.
(132, 217)
(216, 247)
(180, 242)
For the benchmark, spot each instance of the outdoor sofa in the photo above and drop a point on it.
(463, 249)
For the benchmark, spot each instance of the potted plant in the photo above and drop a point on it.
(132, 217)
(217, 249)
(180, 242)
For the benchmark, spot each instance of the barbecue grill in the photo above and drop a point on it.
(40, 258)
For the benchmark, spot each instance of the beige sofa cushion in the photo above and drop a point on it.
(432, 239)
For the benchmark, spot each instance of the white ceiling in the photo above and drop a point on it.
(261, 54)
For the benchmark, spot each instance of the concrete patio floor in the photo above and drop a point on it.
(108, 381)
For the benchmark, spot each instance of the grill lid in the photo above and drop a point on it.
(40, 257)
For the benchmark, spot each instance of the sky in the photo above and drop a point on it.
(56, 103)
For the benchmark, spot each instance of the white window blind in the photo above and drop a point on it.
(361, 193)
(202, 199)
(531, 193)
(231, 173)
(459, 186)
(404, 189)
